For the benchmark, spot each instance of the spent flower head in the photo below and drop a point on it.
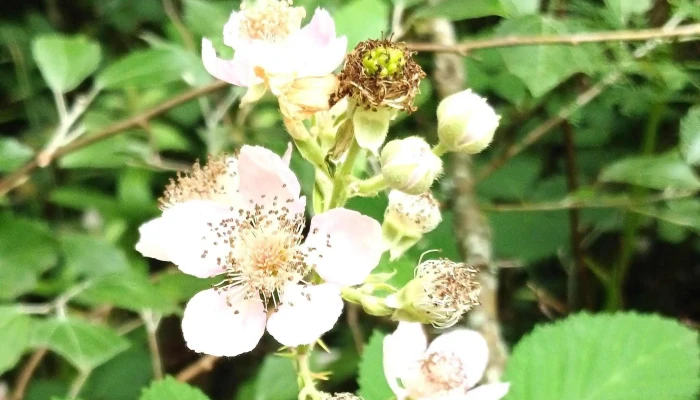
(412, 214)
(447, 369)
(440, 293)
(380, 73)
(242, 218)
(409, 165)
(341, 396)
(466, 122)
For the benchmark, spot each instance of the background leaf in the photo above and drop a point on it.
(457, 10)
(690, 136)
(14, 336)
(170, 389)
(606, 357)
(374, 15)
(373, 384)
(660, 172)
(65, 61)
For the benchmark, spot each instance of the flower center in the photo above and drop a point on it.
(265, 253)
(271, 20)
(213, 181)
(439, 373)
(385, 62)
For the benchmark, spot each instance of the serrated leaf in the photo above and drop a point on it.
(91, 256)
(13, 154)
(690, 136)
(14, 336)
(606, 357)
(371, 379)
(664, 171)
(541, 68)
(65, 61)
(457, 10)
(276, 380)
(83, 344)
(27, 249)
(129, 290)
(170, 389)
(374, 15)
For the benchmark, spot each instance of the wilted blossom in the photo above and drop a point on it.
(242, 218)
(447, 369)
(271, 50)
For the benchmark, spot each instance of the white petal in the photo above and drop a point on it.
(238, 71)
(306, 312)
(493, 391)
(211, 326)
(345, 246)
(403, 349)
(153, 239)
(188, 240)
(469, 346)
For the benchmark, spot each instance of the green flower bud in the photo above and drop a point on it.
(409, 165)
(441, 292)
(466, 122)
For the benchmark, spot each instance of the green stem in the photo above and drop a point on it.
(439, 150)
(307, 387)
(340, 184)
(369, 187)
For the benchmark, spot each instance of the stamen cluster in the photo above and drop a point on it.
(440, 373)
(450, 290)
(270, 20)
(209, 182)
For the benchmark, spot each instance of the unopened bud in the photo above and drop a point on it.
(441, 292)
(466, 122)
(409, 165)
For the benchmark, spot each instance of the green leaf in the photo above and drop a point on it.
(206, 18)
(27, 249)
(170, 389)
(110, 153)
(92, 256)
(690, 136)
(65, 61)
(624, 9)
(129, 290)
(606, 357)
(544, 67)
(371, 379)
(179, 287)
(665, 171)
(14, 336)
(150, 68)
(516, 8)
(13, 154)
(529, 236)
(374, 15)
(457, 10)
(276, 380)
(83, 344)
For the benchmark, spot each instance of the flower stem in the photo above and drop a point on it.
(306, 381)
(369, 187)
(439, 150)
(340, 185)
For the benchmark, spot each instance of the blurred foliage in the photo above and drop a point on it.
(71, 281)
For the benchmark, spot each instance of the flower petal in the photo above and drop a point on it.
(237, 71)
(469, 346)
(211, 326)
(182, 235)
(266, 179)
(232, 31)
(493, 391)
(402, 351)
(306, 312)
(345, 246)
(322, 51)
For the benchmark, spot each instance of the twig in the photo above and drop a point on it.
(568, 204)
(185, 34)
(572, 40)
(25, 376)
(78, 384)
(204, 364)
(548, 300)
(580, 101)
(352, 317)
(471, 228)
(152, 320)
(577, 279)
(17, 177)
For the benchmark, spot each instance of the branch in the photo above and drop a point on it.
(204, 364)
(25, 376)
(471, 228)
(19, 176)
(572, 40)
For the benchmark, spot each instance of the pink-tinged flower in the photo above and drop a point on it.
(448, 369)
(243, 219)
(269, 43)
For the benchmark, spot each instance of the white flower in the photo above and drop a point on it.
(447, 370)
(466, 122)
(243, 219)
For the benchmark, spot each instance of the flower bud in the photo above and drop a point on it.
(466, 122)
(409, 165)
(441, 292)
(413, 214)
